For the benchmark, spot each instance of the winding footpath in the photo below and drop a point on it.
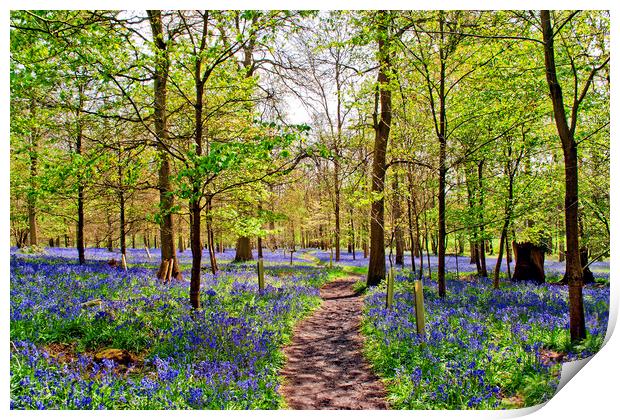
(325, 368)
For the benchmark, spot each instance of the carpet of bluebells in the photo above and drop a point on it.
(483, 348)
(554, 270)
(139, 256)
(223, 356)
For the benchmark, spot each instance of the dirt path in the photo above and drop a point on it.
(325, 368)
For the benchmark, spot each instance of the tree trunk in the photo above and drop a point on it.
(32, 202)
(110, 233)
(410, 219)
(530, 262)
(498, 264)
(473, 259)
(376, 265)
(80, 198)
(123, 233)
(166, 199)
(508, 258)
(211, 237)
(398, 230)
(574, 272)
(481, 242)
(196, 246)
(337, 206)
(441, 196)
(352, 232)
(243, 249)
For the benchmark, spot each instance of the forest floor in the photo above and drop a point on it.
(325, 367)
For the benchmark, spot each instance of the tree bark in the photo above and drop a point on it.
(259, 240)
(481, 242)
(243, 249)
(398, 230)
(352, 232)
(122, 228)
(166, 199)
(196, 246)
(441, 197)
(32, 202)
(376, 264)
(508, 257)
(337, 206)
(574, 272)
(210, 237)
(410, 219)
(80, 198)
(504, 234)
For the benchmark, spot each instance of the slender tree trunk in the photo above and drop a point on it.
(337, 207)
(32, 202)
(508, 257)
(80, 201)
(504, 237)
(352, 232)
(110, 234)
(195, 200)
(376, 265)
(574, 271)
(498, 264)
(259, 240)
(123, 232)
(441, 197)
(211, 237)
(410, 219)
(428, 255)
(121, 202)
(481, 243)
(398, 230)
(122, 221)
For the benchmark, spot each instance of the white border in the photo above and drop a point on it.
(591, 394)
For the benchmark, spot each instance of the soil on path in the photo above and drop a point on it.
(325, 368)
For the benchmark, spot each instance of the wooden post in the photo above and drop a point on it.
(261, 274)
(124, 262)
(390, 288)
(148, 253)
(419, 306)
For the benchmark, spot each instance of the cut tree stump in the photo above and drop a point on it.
(529, 262)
